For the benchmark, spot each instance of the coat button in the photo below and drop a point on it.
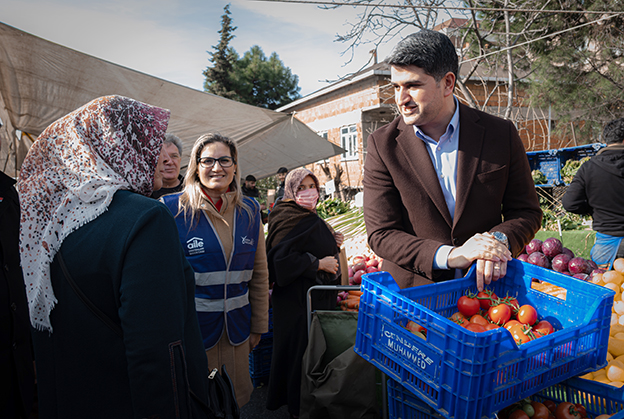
(455, 241)
(6, 267)
(13, 306)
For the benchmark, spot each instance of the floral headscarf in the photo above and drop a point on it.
(294, 179)
(70, 175)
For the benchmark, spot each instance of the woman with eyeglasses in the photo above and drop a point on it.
(223, 239)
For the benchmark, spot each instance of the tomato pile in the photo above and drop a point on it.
(486, 311)
(547, 409)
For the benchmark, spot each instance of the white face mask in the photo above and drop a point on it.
(307, 198)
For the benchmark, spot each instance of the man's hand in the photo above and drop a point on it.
(491, 256)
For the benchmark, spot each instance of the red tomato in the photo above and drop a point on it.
(511, 323)
(499, 314)
(552, 406)
(581, 409)
(519, 335)
(475, 327)
(458, 318)
(519, 414)
(566, 410)
(544, 327)
(486, 299)
(468, 306)
(479, 319)
(541, 411)
(491, 326)
(512, 302)
(527, 315)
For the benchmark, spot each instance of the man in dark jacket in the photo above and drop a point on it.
(282, 172)
(598, 190)
(17, 378)
(249, 187)
(445, 186)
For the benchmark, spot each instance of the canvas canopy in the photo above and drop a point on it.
(41, 81)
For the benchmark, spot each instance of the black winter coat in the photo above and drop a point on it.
(17, 380)
(598, 190)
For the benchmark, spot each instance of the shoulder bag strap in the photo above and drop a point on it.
(98, 313)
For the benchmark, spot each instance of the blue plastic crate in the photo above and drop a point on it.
(548, 163)
(269, 334)
(462, 374)
(404, 405)
(597, 398)
(260, 362)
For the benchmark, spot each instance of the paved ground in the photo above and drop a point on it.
(256, 409)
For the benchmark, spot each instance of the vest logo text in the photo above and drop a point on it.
(195, 245)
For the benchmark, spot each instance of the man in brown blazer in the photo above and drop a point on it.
(445, 185)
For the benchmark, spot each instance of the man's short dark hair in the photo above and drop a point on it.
(430, 50)
(250, 178)
(614, 131)
(282, 170)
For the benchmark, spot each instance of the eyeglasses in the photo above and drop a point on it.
(208, 162)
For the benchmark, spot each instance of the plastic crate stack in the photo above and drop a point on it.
(260, 356)
(458, 374)
(550, 162)
(597, 398)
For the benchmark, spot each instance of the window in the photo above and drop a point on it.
(324, 135)
(348, 141)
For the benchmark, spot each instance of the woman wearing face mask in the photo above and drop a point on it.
(302, 252)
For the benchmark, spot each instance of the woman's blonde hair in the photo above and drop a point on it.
(192, 197)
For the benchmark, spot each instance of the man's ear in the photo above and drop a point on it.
(449, 83)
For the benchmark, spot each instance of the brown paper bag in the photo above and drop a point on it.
(344, 267)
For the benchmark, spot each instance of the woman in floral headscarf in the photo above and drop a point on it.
(86, 216)
(302, 251)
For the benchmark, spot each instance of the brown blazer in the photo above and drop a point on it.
(406, 215)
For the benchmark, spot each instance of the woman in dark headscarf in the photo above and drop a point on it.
(302, 252)
(84, 189)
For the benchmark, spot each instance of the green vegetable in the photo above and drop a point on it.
(528, 409)
(539, 178)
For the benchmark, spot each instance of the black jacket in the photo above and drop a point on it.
(17, 379)
(598, 190)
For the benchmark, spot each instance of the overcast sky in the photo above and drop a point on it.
(170, 38)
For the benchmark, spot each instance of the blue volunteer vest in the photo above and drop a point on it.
(221, 290)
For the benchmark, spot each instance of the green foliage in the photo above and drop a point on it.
(263, 185)
(553, 210)
(580, 72)
(219, 77)
(567, 220)
(264, 82)
(539, 178)
(331, 207)
(253, 78)
(574, 62)
(569, 169)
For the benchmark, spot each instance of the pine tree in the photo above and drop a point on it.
(251, 79)
(219, 80)
(265, 82)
